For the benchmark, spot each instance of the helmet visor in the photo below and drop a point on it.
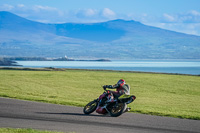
(120, 82)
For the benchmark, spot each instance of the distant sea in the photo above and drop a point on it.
(160, 66)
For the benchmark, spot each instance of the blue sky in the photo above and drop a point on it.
(177, 15)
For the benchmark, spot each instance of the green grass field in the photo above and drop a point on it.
(18, 130)
(157, 94)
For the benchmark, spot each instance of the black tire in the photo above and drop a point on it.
(90, 107)
(117, 110)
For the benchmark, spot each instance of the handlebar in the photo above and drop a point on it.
(104, 87)
(107, 91)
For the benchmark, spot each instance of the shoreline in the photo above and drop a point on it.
(64, 69)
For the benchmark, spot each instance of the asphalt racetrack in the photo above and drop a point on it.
(43, 116)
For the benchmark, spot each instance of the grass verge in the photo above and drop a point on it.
(19, 130)
(157, 94)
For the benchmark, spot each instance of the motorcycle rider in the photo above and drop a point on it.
(121, 88)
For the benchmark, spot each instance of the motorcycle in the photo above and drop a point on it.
(106, 104)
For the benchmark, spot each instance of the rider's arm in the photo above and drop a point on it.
(111, 86)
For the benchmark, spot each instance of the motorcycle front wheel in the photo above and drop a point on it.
(90, 107)
(117, 110)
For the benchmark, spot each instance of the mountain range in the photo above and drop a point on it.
(115, 39)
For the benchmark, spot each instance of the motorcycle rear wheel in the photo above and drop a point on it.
(90, 107)
(117, 110)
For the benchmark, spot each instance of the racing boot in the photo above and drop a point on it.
(127, 109)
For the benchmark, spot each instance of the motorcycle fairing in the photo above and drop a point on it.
(101, 110)
(124, 96)
(127, 98)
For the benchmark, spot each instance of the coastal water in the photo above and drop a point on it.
(161, 66)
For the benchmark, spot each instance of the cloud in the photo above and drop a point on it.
(108, 13)
(6, 7)
(90, 12)
(187, 17)
(94, 15)
(85, 13)
(168, 17)
(21, 5)
(39, 8)
(195, 13)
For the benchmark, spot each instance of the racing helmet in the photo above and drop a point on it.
(121, 82)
